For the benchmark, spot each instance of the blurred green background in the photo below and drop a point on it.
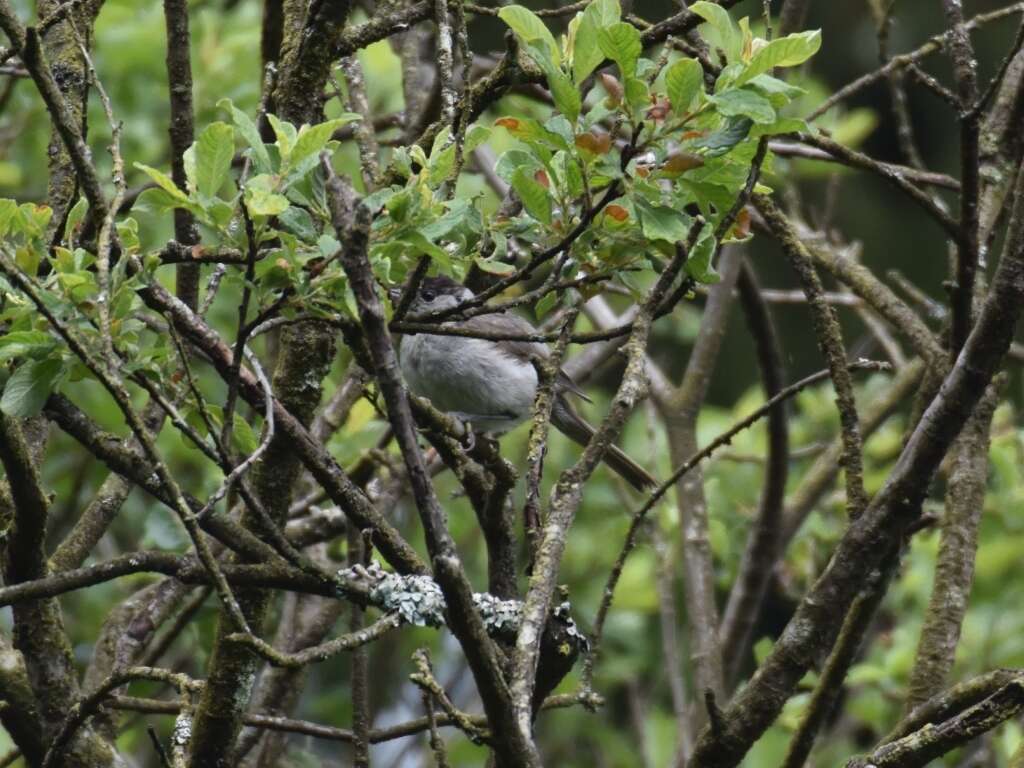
(636, 726)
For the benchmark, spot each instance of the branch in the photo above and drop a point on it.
(352, 221)
(303, 362)
(27, 43)
(720, 441)
(679, 411)
(89, 706)
(39, 632)
(933, 741)
(567, 496)
(934, 44)
(958, 545)
(816, 622)
(317, 460)
(746, 598)
(951, 702)
(830, 342)
(819, 478)
(179, 86)
(965, 73)
(830, 684)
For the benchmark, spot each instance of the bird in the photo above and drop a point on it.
(490, 384)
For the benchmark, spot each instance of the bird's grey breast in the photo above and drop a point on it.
(469, 376)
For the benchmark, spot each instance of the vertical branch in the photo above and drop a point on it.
(958, 545)
(309, 39)
(792, 16)
(747, 596)
(883, 13)
(21, 717)
(965, 73)
(670, 643)
(567, 496)
(679, 409)
(179, 84)
(445, 61)
(358, 103)
(279, 688)
(361, 717)
(68, 66)
(63, 117)
(830, 342)
(271, 32)
(537, 442)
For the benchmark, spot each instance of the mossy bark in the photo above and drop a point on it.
(71, 75)
(306, 353)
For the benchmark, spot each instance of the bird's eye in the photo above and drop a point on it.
(428, 295)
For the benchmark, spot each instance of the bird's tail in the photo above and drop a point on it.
(571, 424)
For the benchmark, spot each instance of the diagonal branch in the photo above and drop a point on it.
(816, 622)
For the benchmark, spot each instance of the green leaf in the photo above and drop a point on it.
(546, 304)
(529, 130)
(29, 386)
(25, 343)
(782, 125)
(621, 43)
(475, 136)
(786, 51)
(261, 199)
(530, 28)
(285, 134)
(684, 79)
(604, 12)
(772, 86)
(164, 182)
(208, 160)
(298, 221)
(638, 95)
(419, 241)
(565, 94)
(246, 441)
(730, 37)
(313, 139)
(721, 141)
(742, 102)
(460, 216)
(75, 217)
(158, 201)
(568, 170)
(8, 214)
(659, 222)
(698, 266)
(510, 161)
(250, 133)
(535, 196)
(586, 52)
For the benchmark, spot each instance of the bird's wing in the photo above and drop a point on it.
(525, 351)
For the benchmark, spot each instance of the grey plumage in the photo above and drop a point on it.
(492, 384)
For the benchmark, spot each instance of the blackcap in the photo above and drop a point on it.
(491, 384)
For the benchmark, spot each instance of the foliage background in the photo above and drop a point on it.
(129, 58)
